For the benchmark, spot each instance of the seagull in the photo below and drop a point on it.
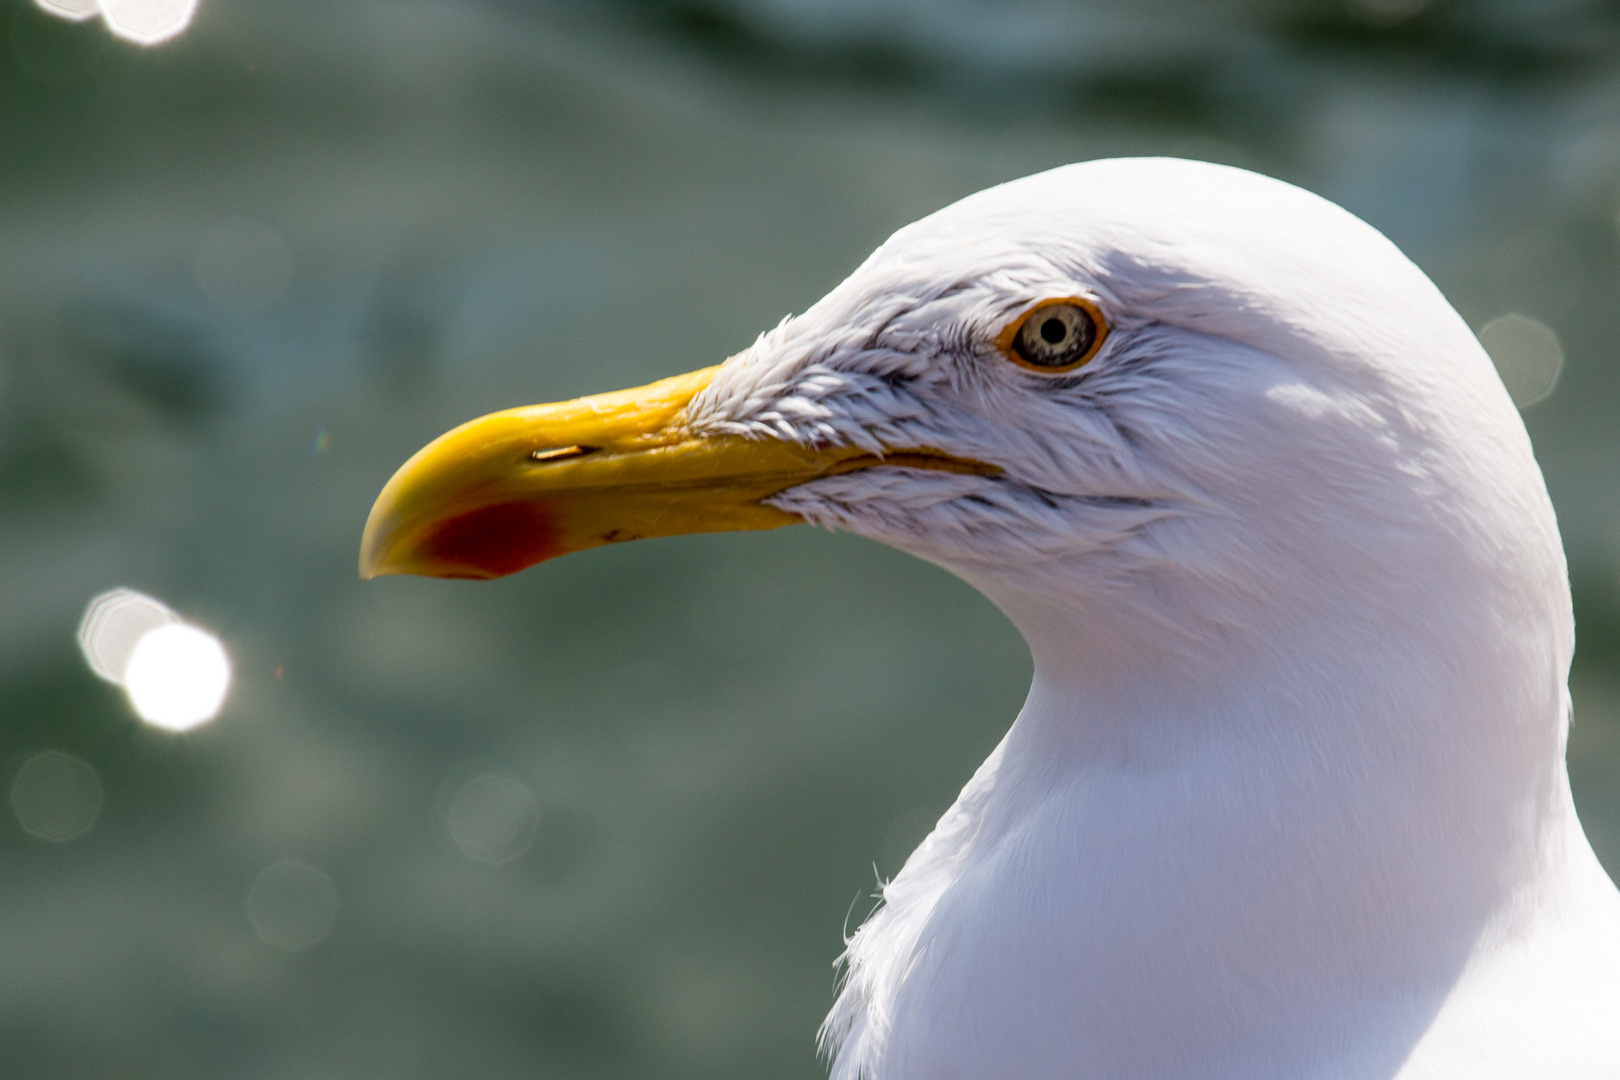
(1287, 798)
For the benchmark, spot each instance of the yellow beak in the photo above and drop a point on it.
(514, 488)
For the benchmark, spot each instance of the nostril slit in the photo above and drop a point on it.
(562, 453)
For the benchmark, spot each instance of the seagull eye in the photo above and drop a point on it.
(1058, 335)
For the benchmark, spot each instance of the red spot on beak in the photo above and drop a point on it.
(494, 541)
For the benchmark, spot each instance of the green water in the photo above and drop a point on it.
(245, 274)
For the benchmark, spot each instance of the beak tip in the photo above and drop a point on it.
(374, 548)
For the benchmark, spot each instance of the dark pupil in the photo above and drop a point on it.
(1055, 337)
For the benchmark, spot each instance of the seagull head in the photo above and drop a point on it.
(1272, 527)
(1164, 394)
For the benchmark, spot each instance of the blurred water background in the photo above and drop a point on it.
(607, 818)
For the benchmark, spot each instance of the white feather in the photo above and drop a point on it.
(1287, 798)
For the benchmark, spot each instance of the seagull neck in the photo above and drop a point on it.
(1251, 839)
(1427, 758)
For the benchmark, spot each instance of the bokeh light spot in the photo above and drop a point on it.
(77, 10)
(113, 624)
(56, 796)
(243, 267)
(292, 905)
(147, 22)
(492, 818)
(1527, 356)
(177, 676)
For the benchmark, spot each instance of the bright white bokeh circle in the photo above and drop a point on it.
(114, 624)
(147, 22)
(177, 677)
(77, 10)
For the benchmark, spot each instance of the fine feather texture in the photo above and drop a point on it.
(1287, 797)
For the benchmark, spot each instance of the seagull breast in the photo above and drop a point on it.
(1287, 797)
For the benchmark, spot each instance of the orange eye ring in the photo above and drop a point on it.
(1054, 336)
